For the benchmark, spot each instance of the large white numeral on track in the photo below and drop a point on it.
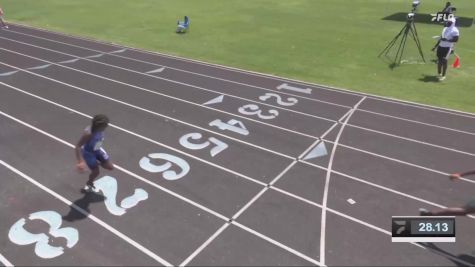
(252, 109)
(108, 186)
(285, 86)
(230, 126)
(43, 249)
(219, 145)
(289, 102)
(146, 164)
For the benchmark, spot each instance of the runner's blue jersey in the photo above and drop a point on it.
(94, 143)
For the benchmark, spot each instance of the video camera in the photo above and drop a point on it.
(415, 4)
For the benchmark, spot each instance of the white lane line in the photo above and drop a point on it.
(168, 96)
(5, 262)
(417, 122)
(204, 245)
(151, 112)
(274, 77)
(363, 128)
(140, 136)
(89, 215)
(327, 184)
(411, 140)
(272, 241)
(159, 187)
(150, 91)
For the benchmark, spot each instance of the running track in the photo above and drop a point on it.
(239, 168)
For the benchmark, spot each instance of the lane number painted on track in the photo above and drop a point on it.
(232, 125)
(146, 164)
(285, 86)
(108, 186)
(290, 101)
(218, 148)
(252, 109)
(43, 249)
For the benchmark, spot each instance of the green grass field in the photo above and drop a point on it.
(331, 42)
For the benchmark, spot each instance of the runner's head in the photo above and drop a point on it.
(99, 123)
(450, 22)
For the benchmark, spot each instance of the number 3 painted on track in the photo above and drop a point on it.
(251, 109)
(20, 236)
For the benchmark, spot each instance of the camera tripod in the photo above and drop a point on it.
(410, 27)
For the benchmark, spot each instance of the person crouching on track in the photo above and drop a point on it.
(469, 208)
(445, 45)
(89, 150)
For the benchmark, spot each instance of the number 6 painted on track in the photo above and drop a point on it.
(167, 174)
(43, 249)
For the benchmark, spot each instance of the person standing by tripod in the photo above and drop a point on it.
(445, 46)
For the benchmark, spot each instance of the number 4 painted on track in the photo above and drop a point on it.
(232, 125)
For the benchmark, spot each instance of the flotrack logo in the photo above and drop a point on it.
(441, 16)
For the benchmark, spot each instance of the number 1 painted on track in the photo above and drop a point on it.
(285, 86)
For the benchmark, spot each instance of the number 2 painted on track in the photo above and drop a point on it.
(108, 186)
(290, 100)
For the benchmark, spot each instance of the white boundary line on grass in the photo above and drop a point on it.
(88, 215)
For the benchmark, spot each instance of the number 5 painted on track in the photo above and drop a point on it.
(185, 141)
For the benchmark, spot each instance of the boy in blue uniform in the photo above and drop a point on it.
(89, 149)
